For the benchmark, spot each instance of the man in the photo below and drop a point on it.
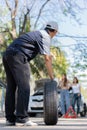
(15, 60)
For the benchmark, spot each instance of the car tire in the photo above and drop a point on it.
(50, 103)
(83, 113)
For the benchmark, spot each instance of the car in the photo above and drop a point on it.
(2, 97)
(36, 103)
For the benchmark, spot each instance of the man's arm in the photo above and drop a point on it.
(48, 62)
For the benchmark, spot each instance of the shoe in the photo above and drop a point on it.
(8, 123)
(30, 123)
(21, 120)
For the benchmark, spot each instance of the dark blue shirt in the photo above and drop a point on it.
(32, 43)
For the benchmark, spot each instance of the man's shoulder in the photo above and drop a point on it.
(44, 33)
(33, 32)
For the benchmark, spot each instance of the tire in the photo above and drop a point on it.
(83, 113)
(85, 109)
(50, 103)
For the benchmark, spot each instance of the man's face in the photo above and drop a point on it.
(54, 33)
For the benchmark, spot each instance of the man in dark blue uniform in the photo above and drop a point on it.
(16, 63)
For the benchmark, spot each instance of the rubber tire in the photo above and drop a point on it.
(83, 113)
(50, 103)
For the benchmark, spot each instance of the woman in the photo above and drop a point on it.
(76, 94)
(64, 84)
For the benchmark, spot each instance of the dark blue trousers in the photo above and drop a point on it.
(18, 76)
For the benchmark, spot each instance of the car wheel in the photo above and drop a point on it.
(83, 113)
(50, 103)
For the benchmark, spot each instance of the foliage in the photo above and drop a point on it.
(17, 25)
(23, 16)
(59, 64)
(38, 67)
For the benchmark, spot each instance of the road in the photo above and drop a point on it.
(63, 124)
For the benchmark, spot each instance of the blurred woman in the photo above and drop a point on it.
(64, 85)
(76, 94)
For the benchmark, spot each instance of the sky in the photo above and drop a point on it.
(67, 24)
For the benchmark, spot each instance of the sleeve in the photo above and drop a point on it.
(44, 45)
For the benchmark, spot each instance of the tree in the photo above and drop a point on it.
(25, 15)
(9, 29)
(59, 63)
(18, 24)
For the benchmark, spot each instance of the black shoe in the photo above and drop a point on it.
(8, 123)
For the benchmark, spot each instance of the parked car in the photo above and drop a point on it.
(36, 103)
(2, 96)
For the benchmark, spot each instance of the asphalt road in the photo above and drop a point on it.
(63, 124)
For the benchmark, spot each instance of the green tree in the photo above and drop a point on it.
(17, 22)
(21, 16)
(59, 63)
(13, 27)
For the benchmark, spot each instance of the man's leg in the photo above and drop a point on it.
(19, 67)
(10, 93)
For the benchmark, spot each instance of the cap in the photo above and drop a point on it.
(52, 25)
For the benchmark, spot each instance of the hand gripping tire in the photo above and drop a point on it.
(50, 103)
